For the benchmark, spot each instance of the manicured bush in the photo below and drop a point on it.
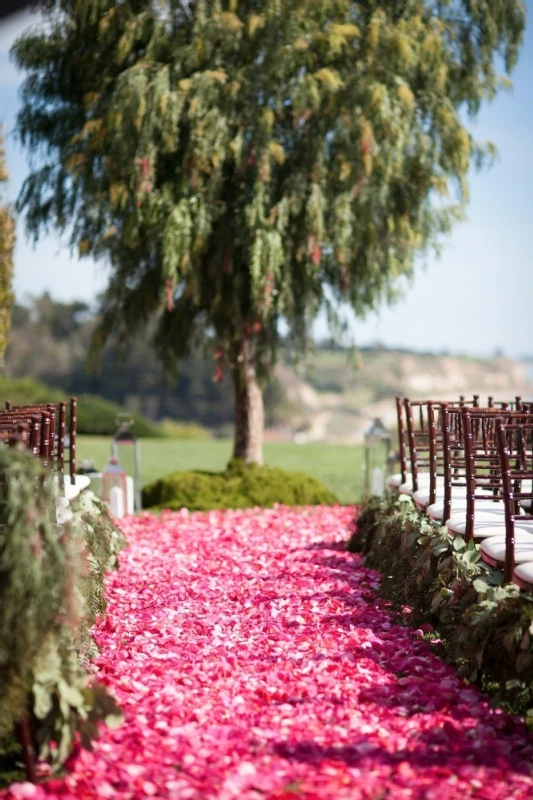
(486, 627)
(240, 486)
(95, 415)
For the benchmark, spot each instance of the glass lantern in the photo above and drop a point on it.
(125, 437)
(114, 488)
(378, 443)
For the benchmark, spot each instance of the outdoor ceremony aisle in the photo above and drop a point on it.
(253, 659)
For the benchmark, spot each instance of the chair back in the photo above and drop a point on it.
(482, 459)
(515, 449)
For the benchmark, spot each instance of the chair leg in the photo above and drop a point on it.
(28, 751)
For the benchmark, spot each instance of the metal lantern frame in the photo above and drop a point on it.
(114, 477)
(376, 436)
(125, 437)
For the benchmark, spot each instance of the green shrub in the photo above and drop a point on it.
(95, 415)
(186, 431)
(98, 417)
(240, 486)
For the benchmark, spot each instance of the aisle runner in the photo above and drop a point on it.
(253, 660)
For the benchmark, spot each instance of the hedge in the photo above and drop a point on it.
(240, 486)
(95, 415)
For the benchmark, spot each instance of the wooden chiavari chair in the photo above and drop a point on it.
(483, 513)
(40, 431)
(425, 442)
(400, 478)
(72, 483)
(419, 438)
(513, 550)
(447, 458)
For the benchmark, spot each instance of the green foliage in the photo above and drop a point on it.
(486, 627)
(238, 162)
(240, 486)
(51, 582)
(103, 542)
(186, 431)
(11, 768)
(35, 589)
(95, 415)
(495, 641)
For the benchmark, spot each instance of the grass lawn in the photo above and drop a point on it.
(339, 467)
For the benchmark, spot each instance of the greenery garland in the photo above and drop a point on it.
(486, 627)
(102, 542)
(51, 586)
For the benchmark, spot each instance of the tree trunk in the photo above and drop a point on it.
(249, 411)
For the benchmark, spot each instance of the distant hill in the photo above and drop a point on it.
(337, 397)
(333, 398)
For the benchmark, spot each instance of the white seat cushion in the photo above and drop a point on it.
(80, 481)
(494, 547)
(488, 525)
(406, 488)
(436, 510)
(423, 481)
(69, 491)
(63, 515)
(394, 481)
(482, 513)
(422, 496)
(524, 572)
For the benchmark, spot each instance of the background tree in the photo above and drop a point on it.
(7, 245)
(240, 162)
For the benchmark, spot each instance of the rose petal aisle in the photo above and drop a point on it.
(253, 659)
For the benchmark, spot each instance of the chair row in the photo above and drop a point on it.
(42, 428)
(471, 469)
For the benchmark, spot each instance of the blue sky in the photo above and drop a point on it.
(476, 298)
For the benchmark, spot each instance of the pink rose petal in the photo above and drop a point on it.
(253, 659)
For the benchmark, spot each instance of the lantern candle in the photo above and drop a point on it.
(113, 485)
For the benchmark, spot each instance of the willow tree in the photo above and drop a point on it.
(243, 162)
(7, 245)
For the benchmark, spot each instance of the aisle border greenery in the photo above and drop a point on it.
(484, 625)
(52, 589)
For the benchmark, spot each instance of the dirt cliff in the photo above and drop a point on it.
(337, 397)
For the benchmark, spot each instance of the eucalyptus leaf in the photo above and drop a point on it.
(42, 701)
(70, 694)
